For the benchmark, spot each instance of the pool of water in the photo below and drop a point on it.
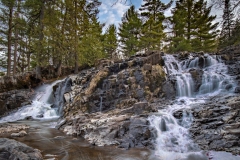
(55, 145)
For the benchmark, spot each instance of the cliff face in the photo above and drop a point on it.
(109, 104)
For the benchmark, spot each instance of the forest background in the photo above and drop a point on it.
(68, 33)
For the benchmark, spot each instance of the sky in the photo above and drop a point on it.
(111, 11)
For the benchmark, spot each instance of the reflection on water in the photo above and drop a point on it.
(57, 146)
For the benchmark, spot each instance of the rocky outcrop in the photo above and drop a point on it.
(109, 105)
(216, 124)
(11, 150)
(110, 87)
(230, 52)
(23, 81)
(125, 128)
(14, 99)
(15, 129)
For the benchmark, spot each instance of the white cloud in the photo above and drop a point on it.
(111, 12)
(120, 9)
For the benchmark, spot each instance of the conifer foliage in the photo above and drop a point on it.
(110, 40)
(129, 32)
(193, 27)
(152, 14)
(38, 33)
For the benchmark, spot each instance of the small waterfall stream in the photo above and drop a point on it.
(45, 105)
(173, 141)
(184, 82)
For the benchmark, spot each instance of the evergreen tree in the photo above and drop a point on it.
(91, 46)
(179, 41)
(36, 13)
(227, 26)
(6, 17)
(110, 40)
(193, 28)
(129, 32)
(204, 31)
(153, 29)
(235, 39)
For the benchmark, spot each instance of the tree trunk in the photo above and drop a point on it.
(15, 52)
(189, 20)
(28, 53)
(40, 46)
(16, 38)
(59, 69)
(76, 38)
(9, 40)
(76, 64)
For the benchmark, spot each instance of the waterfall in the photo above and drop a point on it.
(62, 88)
(214, 79)
(184, 81)
(172, 136)
(42, 105)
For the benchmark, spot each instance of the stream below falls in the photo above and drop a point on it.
(55, 145)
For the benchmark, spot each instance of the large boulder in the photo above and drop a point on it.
(13, 150)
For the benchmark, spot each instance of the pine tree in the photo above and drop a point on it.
(91, 46)
(129, 32)
(6, 17)
(153, 29)
(179, 41)
(36, 13)
(110, 40)
(204, 31)
(227, 26)
(193, 28)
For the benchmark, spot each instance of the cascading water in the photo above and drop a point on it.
(184, 82)
(59, 93)
(41, 107)
(173, 141)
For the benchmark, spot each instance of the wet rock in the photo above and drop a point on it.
(96, 81)
(183, 55)
(19, 134)
(28, 118)
(237, 90)
(197, 78)
(169, 90)
(40, 116)
(147, 67)
(14, 99)
(6, 128)
(11, 149)
(216, 124)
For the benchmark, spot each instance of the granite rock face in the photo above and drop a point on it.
(109, 105)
